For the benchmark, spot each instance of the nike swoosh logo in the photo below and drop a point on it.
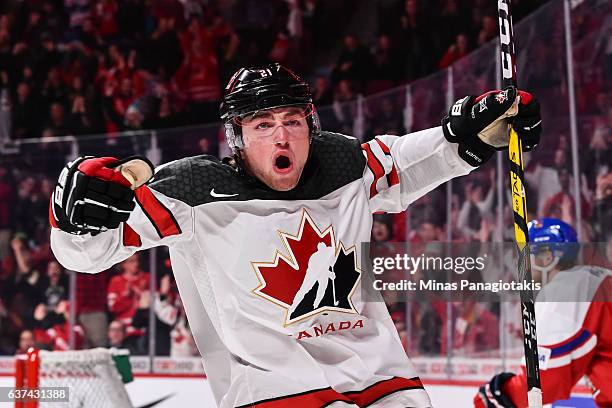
(220, 195)
(157, 402)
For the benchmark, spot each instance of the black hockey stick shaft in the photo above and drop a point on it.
(519, 207)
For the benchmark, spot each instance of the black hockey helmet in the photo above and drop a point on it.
(264, 87)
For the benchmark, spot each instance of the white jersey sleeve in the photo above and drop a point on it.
(156, 220)
(401, 169)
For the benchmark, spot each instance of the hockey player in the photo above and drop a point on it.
(241, 233)
(574, 316)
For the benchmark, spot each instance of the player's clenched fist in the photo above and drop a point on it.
(93, 194)
(480, 125)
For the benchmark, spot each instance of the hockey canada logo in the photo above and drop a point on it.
(313, 275)
(501, 97)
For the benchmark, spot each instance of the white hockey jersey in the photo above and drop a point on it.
(574, 328)
(241, 256)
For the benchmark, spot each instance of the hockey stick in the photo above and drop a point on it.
(519, 206)
(334, 287)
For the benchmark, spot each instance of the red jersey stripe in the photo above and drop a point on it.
(383, 146)
(392, 177)
(375, 166)
(326, 396)
(130, 237)
(161, 217)
(383, 388)
(51, 217)
(315, 398)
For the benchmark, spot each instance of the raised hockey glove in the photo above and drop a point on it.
(480, 125)
(490, 395)
(92, 195)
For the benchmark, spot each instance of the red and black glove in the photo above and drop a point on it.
(480, 125)
(92, 196)
(490, 395)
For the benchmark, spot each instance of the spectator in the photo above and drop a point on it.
(455, 52)
(167, 308)
(57, 122)
(476, 208)
(117, 338)
(131, 19)
(125, 290)
(25, 113)
(116, 335)
(198, 77)
(417, 40)
(54, 91)
(105, 17)
(354, 63)
(598, 158)
(547, 177)
(489, 29)
(26, 340)
(603, 207)
(81, 120)
(428, 228)
(382, 228)
(55, 289)
(91, 306)
(7, 199)
(387, 64)
(183, 344)
(472, 329)
(387, 119)
(561, 205)
(322, 93)
(77, 11)
(23, 288)
(344, 106)
(163, 48)
(453, 19)
(52, 328)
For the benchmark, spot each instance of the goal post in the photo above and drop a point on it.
(93, 377)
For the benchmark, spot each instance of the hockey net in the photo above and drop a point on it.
(91, 376)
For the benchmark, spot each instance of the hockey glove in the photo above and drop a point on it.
(92, 195)
(490, 395)
(480, 125)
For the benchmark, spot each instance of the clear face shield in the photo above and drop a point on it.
(543, 259)
(277, 125)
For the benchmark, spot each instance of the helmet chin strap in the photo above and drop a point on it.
(545, 269)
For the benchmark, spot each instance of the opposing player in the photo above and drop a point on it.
(241, 232)
(574, 317)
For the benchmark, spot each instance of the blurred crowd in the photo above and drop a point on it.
(79, 67)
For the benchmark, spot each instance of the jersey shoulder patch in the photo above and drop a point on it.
(338, 159)
(335, 160)
(192, 179)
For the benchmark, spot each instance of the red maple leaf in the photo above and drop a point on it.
(282, 278)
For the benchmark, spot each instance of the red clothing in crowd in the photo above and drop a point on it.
(58, 337)
(198, 77)
(105, 16)
(450, 57)
(7, 199)
(123, 297)
(89, 294)
(124, 294)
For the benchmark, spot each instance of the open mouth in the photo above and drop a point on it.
(282, 163)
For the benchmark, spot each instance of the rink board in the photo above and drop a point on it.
(190, 391)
